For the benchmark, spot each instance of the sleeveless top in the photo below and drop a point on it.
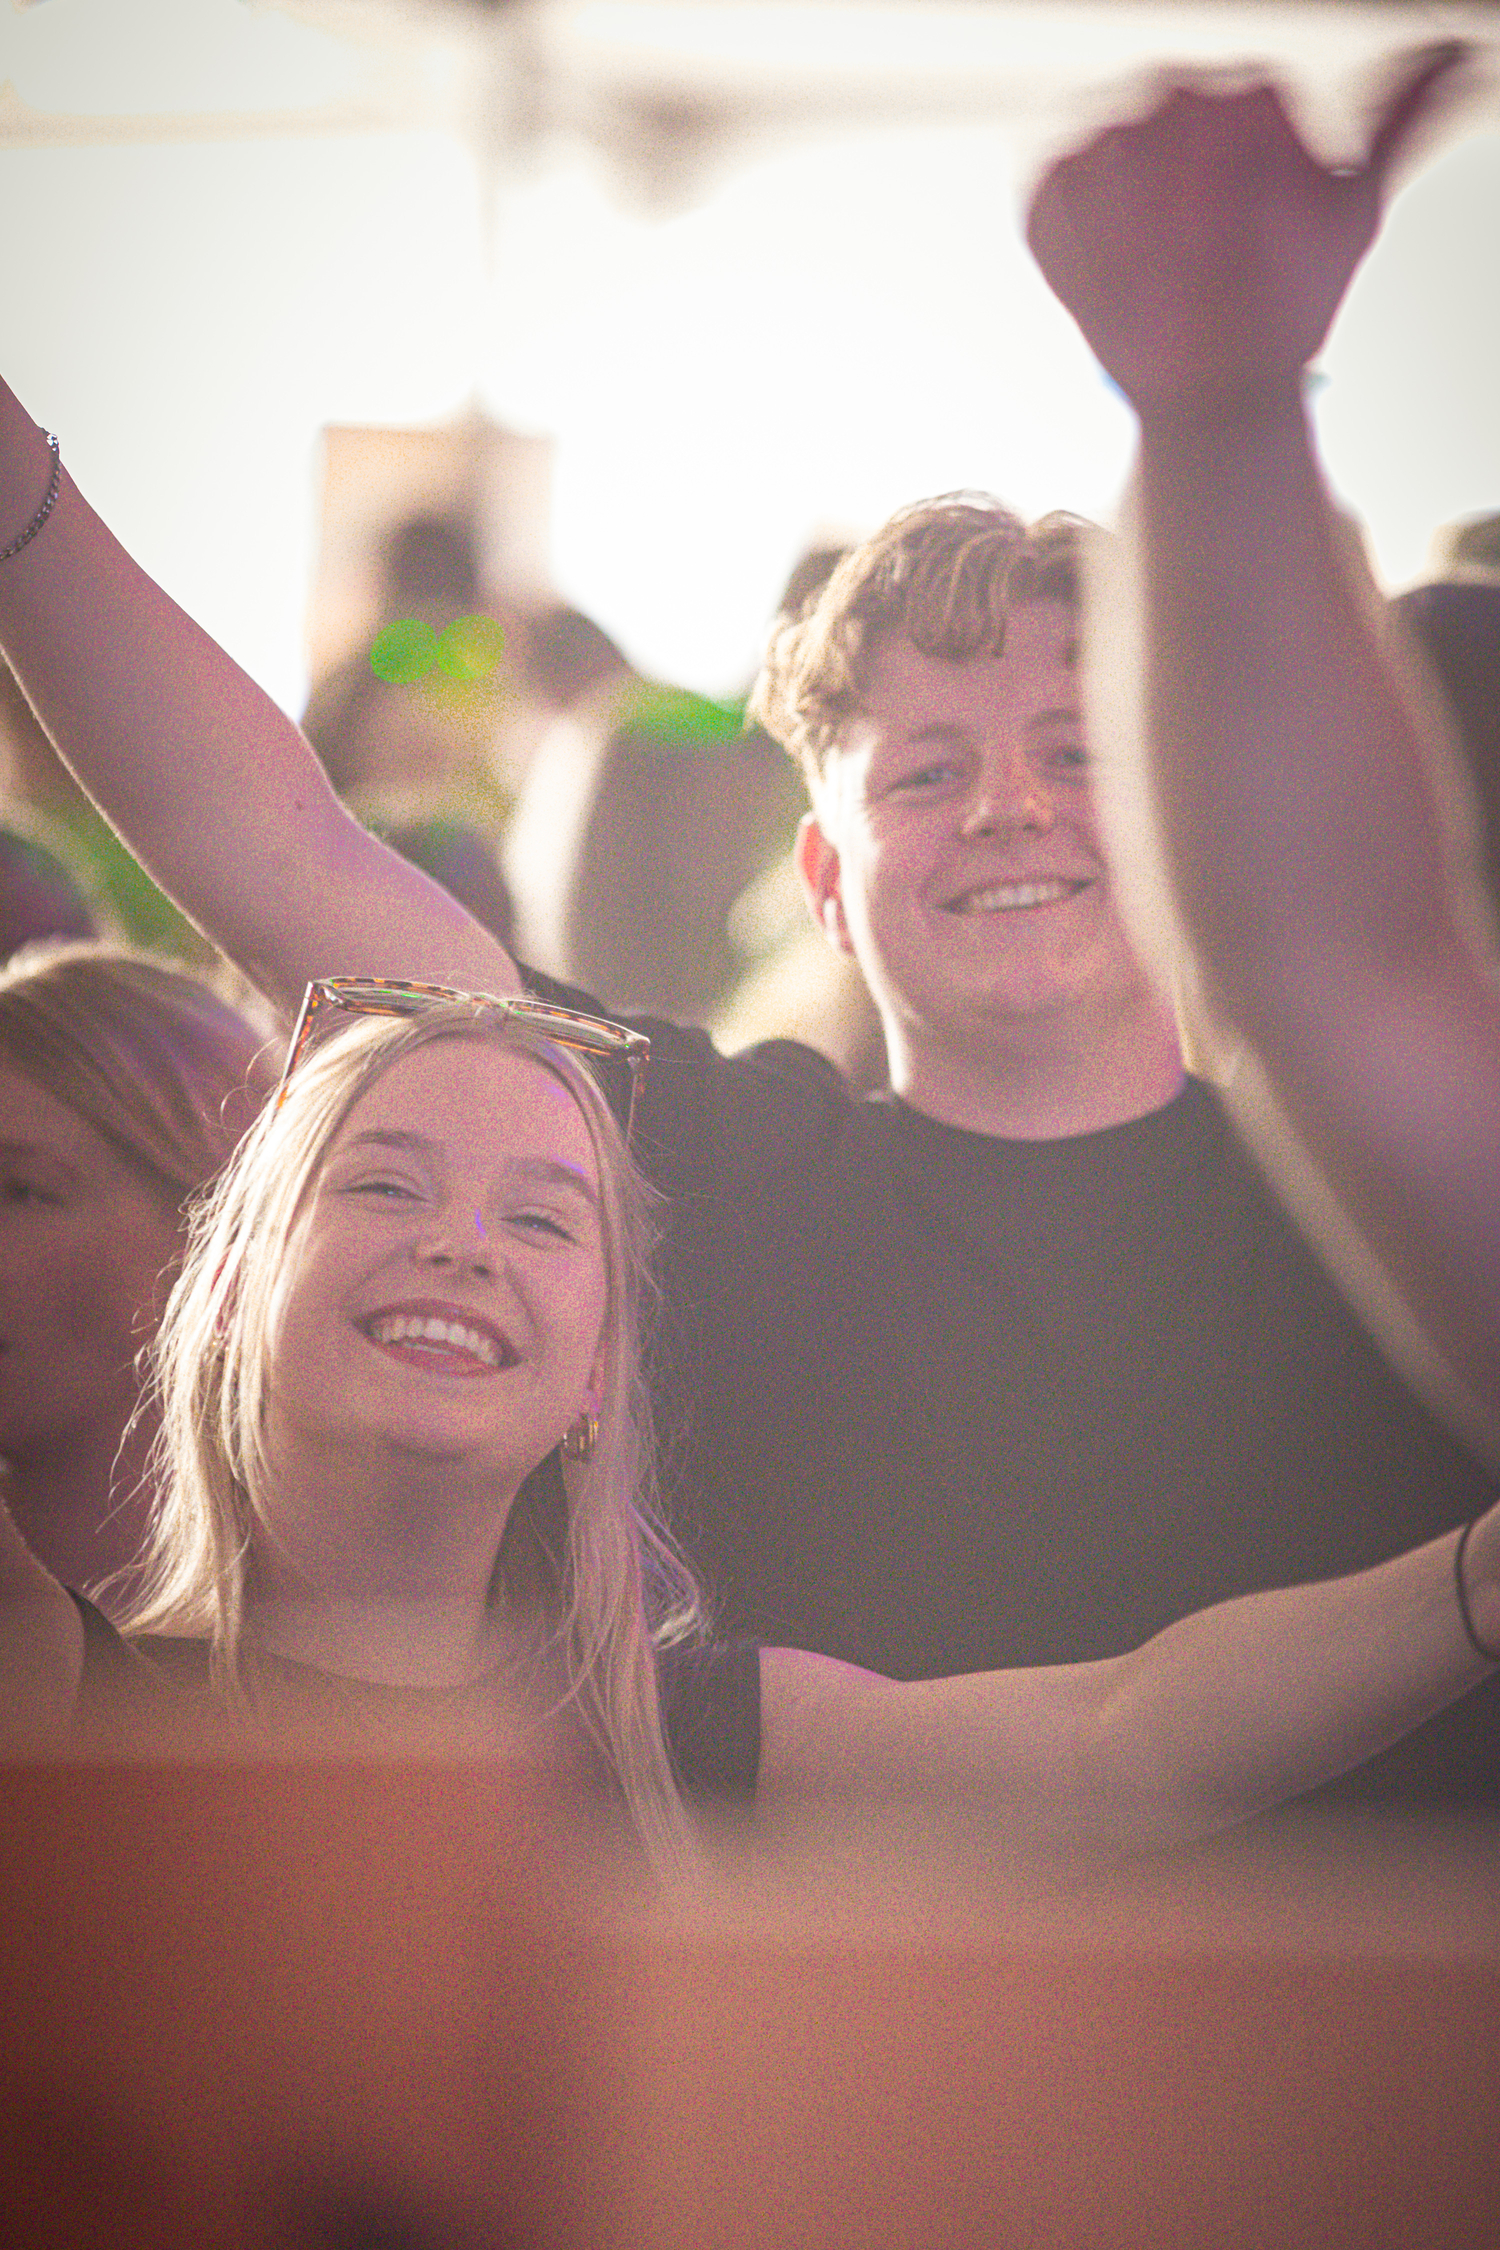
(710, 1700)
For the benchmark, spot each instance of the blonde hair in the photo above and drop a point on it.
(615, 1592)
(158, 1065)
(943, 574)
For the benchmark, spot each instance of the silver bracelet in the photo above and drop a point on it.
(54, 485)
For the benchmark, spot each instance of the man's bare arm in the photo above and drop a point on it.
(1305, 791)
(211, 785)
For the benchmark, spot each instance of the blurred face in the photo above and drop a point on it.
(443, 1297)
(84, 1244)
(956, 848)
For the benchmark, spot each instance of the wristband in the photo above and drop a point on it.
(54, 483)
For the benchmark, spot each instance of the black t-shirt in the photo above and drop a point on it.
(935, 1402)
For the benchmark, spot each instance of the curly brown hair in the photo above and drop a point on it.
(944, 574)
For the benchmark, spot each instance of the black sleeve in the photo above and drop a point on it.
(710, 1708)
(712, 1124)
(115, 1678)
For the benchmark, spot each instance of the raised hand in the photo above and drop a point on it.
(1204, 250)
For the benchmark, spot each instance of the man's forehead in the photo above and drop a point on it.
(909, 687)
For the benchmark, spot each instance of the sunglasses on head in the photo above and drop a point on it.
(617, 1054)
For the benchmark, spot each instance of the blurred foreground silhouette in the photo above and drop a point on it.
(367, 2005)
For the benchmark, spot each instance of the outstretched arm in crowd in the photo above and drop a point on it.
(212, 786)
(1306, 791)
(1214, 1720)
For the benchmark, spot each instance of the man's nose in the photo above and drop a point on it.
(1009, 797)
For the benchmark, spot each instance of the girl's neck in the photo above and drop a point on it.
(389, 1640)
(378, 1568)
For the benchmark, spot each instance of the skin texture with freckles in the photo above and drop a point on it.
(958, 803)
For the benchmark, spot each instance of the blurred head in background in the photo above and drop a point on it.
(124, 1086)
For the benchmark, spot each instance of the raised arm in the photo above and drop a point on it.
(212, 786)
(1305, 789)
(1214, 1720)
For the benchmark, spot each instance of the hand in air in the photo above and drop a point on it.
(1204, 250)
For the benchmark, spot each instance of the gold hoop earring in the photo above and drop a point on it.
(581, 1438)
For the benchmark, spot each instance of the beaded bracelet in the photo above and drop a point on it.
(1490, 1655)
(54, 484)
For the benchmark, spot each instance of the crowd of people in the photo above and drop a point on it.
(708, 1424)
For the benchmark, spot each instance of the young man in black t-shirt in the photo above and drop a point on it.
(1011, 1366)
(1024, 1357)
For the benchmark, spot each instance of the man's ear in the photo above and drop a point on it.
(817, 865)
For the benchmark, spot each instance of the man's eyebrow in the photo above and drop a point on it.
(936, 731)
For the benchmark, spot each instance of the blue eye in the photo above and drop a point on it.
(541, 1223)
(1061, 748)
(394, 1190)
(923, 777)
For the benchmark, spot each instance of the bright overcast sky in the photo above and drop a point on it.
(831, 326)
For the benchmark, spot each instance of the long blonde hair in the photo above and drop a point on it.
(605, 1578)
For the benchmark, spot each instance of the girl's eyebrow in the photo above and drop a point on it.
(548, 1168)
(383, 1136)
(559, 1174)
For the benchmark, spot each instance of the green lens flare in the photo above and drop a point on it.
(470, 648)
(404, 651)
(677, 717)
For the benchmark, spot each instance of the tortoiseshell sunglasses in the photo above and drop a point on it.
(594, 1037)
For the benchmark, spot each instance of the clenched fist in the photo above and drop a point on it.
(1204, 251)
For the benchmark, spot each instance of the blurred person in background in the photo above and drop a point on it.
(1455, 622)
(643, 813)
(413, 747)
(1470, 549)
(44, 885)
(791, 985)
(124, 1085)
(1325, 835)
(1010, 1367)
(402, 736)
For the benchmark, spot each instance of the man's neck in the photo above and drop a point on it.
(1039, 1080)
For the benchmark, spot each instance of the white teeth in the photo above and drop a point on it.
(427, 1328)
(1002, 898)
